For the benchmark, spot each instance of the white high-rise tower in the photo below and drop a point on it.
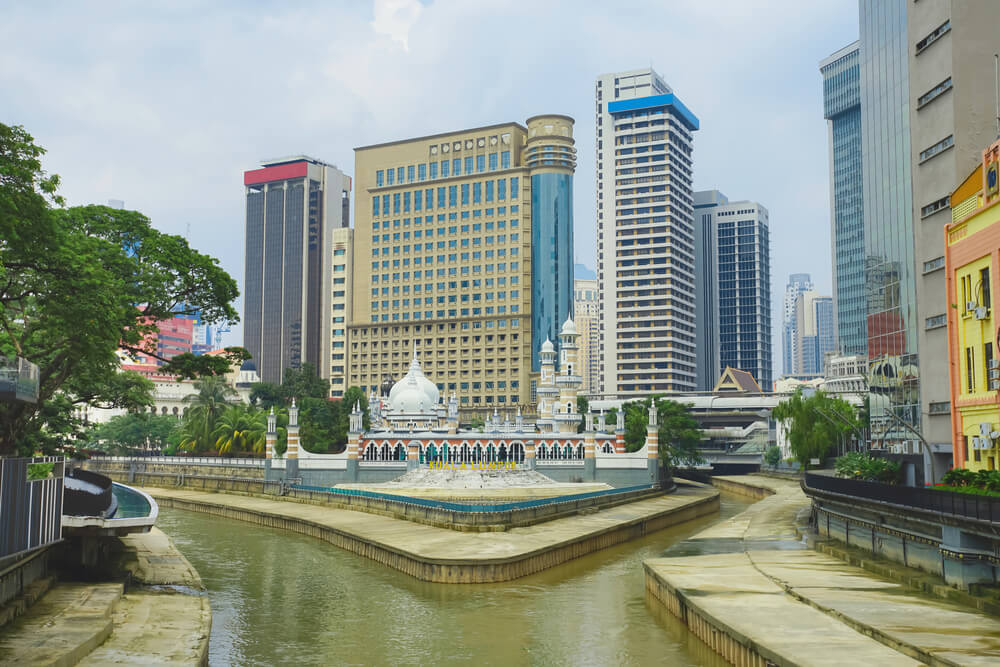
(645, 235)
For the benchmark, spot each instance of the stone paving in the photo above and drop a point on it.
(752, 577)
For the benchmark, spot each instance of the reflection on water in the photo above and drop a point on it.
(282, 598)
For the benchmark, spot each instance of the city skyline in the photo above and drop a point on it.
(375, 76)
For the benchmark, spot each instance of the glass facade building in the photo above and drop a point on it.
(890, 287)
(842, 110)
(551, 257)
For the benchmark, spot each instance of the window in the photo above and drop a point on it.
(937, 148)
(934, 93)
(456, 167)
(434, 169)
(501, 190)
(399, 175)
(468, 165)
(379, 178)
(513, 190)
(935, 322)
(421, 172)
(390, 176)
(417, 200)
(480, 163)
(489, 193)
(970, 379)
(933, 264)
(375, 205)
(493, 161)
(477, 193)
(935, 206)
(406, 202)
(395, 202)
(440, 198)
(465, 194)
(984, 288)
(505, 160)
(453, 195)
(940, 31)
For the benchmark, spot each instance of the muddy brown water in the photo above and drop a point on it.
(279, 598)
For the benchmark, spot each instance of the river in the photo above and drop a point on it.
(279, 598)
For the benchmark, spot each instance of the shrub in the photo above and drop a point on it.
(772, 456)
(856, 465)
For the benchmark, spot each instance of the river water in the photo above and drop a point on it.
(279, 598)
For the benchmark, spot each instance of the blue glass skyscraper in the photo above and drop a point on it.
(842, 110)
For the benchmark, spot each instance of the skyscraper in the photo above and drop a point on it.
(733, 281)
(797, 284)
(645, 235)
(293, 207)
(888, 215)
(952, 119)
(814, 332)
(466, 252)
(585, 316)
(842, 110)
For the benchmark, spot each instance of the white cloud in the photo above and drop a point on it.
(394, 18)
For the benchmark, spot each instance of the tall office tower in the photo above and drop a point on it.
(952, 118)
(733, 281)
(842, 110)
(293, 207)
(888, 216)
(797, 284)
(585, 316)
(466, 253)
(343, 277)
(645, 235)
(814, 332)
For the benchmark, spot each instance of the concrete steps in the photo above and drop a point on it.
(156, 628)
(19, 605)
(69, 622)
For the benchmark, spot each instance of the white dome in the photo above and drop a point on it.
(547, 346)
(569, 328)
(411, 399)
(414, 381)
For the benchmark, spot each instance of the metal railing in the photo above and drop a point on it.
(960, 505)
(30, 510)
(471, 508)
(187, 460)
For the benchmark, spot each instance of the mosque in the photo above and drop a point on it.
(416, 424)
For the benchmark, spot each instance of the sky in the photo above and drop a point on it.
(164, 105)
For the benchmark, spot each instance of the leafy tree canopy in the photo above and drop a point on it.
(814, 423)
(678, 434)
(129, 433)
(582, 407)
(77, 284)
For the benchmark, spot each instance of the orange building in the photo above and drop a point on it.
(972, 263)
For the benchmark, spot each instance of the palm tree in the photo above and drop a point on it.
(213, 398)
(231, 430)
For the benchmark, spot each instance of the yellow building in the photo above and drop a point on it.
(463, 247)
(586, 311)
(972, 253)
(343, 275)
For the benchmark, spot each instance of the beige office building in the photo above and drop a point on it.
(952, 109)
(444, 261)
(343, 270)
(586, 315)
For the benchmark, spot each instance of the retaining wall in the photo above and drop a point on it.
(457, 571)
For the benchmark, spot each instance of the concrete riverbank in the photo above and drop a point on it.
(445, 556)
(163, 618)
(750, 589)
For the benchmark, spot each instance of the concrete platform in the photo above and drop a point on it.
(508, 495)
(750, 588)
(437, 554)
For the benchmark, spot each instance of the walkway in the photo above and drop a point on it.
(164, 619)
(751, 588)
(442, 555)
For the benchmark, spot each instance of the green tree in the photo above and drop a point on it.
(232, 429)
(814, 423)
(77, 284)
(772, 456)
(582, 407)
(266, 394)
(206, 407)
(304, 382)
(127, 434)
(678, 434)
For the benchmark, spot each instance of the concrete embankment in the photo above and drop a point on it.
(163, 619)
(440, 555)
(750, 589)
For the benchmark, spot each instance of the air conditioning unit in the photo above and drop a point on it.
(994, 373)
(970, 305)
(898, 449)
(975, 442)
(985, 428)
(994, 364)
(981, 313)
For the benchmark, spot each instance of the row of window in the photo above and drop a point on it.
(476, 193)
(444, 169)
(429, 247)
(475, 283)
(477, 296)
(453, 217)
(429, 315)
(451, 271)
(476, 240)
